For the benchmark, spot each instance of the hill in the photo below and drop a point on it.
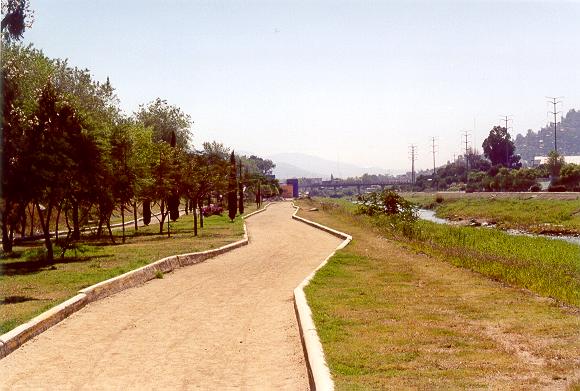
(541, 143)
(292, 165)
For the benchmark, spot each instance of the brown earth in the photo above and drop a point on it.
(225, 323)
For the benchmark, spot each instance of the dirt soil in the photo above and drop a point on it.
(226, 323)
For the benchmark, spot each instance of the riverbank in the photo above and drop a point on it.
(391, 314)
(536, 213)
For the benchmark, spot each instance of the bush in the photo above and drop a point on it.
(439, 199)
(211, 210)
(387, 203)
(535, 188)
(557, 188)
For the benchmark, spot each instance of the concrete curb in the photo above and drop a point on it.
(257, 211)
(318, 372)
(15, 338)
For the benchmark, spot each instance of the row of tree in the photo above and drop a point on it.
(499, 169)
(69, 153)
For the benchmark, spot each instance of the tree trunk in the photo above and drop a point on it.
(123, 220)
(31, 221)
(135, 223)
(194, 216)
(162, 221)
(110, 230)
(6, 242)
(186, 206)
(57, 218)
(46, 230)
(200, 206)
(76, 225)
(23, 221)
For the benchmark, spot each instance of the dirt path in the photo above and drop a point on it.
(225, 323)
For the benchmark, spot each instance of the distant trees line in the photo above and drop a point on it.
(69, 152)
(499, 169)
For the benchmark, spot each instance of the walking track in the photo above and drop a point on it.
(226, 323)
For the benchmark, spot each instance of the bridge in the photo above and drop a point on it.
(335, 184)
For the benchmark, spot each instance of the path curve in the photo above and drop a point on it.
(226, 323)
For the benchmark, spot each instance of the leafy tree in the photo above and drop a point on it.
(499, 148)
(166, 121)
(52, 154)
(17, 17)
(570, 176)
(232, 188)
(554, 164)
(263, 166)
(389, 203)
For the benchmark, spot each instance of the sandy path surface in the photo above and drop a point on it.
(226, 323)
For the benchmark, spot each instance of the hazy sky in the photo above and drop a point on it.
(355, 81)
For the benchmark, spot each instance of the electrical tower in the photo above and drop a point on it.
(506, 119)
(413, 156)
(554, 101)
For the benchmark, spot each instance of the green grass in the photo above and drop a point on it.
(29, 285)
(395, 312)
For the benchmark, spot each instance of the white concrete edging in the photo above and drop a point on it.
(16, 337)
(318, 372)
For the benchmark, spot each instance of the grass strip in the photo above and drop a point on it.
(29, 285)
(392, 316)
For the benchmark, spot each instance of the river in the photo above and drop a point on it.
(429, 215)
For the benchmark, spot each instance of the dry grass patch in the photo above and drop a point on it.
(392, 318)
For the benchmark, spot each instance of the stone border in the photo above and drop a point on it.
(318, 372)
(16, 337)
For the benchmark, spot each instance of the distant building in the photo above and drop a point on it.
(287, 191)
(294, 184)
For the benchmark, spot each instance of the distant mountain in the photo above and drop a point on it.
(296, 165)
(541, 143)
(285, 171)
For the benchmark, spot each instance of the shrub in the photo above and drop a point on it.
(210, 210)
(557, 188)
(387, 203)
(535, 188)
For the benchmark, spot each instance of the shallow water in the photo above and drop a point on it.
(429, 215)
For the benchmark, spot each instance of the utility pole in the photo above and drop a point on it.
(433, 150)
(506, 119)
(413, 155)
(466, 140)
(554, 101)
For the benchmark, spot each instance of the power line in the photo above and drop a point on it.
(555, 101)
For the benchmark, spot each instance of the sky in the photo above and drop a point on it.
(349, 81)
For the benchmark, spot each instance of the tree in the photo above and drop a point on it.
(499, 148)
(17, 17)
(166, 120)
(240, 189)
(554, 164)
(232, 188)
(570, 176)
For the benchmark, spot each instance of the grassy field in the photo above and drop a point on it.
(528, 214)
(29, 285)
(392, 315)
